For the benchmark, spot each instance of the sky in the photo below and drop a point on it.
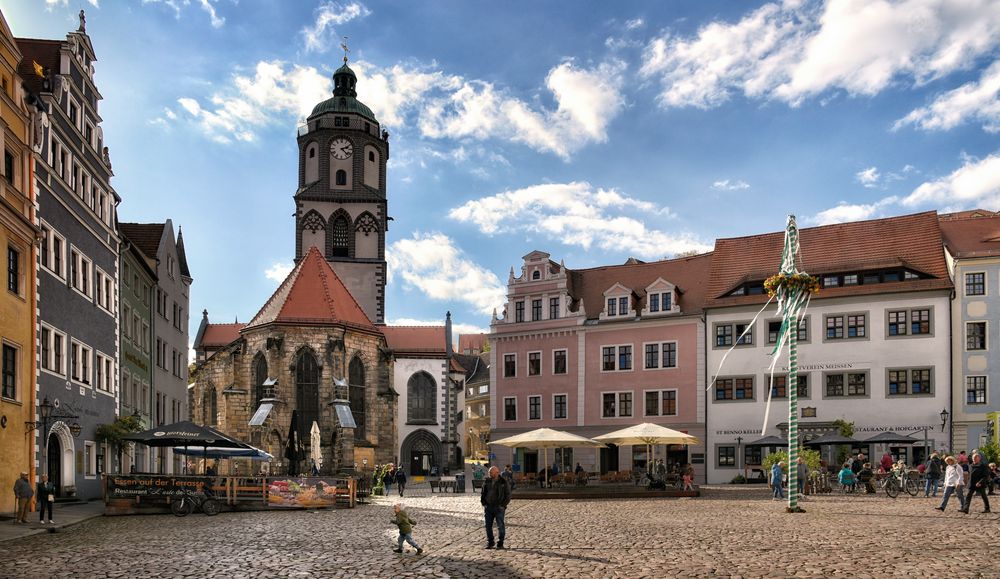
(594, 131)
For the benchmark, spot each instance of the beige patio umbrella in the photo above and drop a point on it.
(649, 434)
(546, 438)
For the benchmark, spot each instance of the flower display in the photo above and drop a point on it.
(801, 282)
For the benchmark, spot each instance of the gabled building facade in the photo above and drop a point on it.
(874, 346)
(972, 245)
(18, 234)
(78, 262)
(595, 350)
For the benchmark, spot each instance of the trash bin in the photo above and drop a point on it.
(459, 483)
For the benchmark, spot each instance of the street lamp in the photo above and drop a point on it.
(47, 414)
(944, 418)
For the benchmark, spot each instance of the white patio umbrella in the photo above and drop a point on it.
(314, 438)
(546, 438)
(649, 434)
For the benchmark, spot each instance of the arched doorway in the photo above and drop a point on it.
(421, 452)
(54, 459)
(60, 451)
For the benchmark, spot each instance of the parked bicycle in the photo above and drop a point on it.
(185, 503)
(898, 481)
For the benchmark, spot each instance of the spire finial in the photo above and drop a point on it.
(83, 22)
(346, 49)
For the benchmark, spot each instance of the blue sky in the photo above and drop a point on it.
(593, 131)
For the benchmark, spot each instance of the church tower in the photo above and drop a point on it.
(340, 204)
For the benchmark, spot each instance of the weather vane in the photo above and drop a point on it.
(346, 50)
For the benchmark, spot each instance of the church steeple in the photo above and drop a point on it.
(344, 78)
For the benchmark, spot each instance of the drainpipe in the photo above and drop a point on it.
(951, 367)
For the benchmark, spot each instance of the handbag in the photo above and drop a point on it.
(52, 498)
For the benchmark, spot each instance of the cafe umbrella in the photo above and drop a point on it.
(185, 434)
(315, 452)
(292, 445)
(648, 434)
(546, 438)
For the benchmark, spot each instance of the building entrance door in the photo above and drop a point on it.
(53, 458)
(420, 462)
(609, 458)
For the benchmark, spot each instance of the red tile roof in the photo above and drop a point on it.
(971, 233)
(911, 241)
(415, 340)
(472, 342)
(688, 274)
(145, 236)
(312, 294)
(218, 335)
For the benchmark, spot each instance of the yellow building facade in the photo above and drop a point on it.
(18, 296)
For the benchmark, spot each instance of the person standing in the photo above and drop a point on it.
(495, 497)
(508, 475)
(400, 480)
(776, 475)
(933, 474)
(953, 477)
(388, 477)
(801, 473)
(23, 494)
(46, 496)
(978, 475)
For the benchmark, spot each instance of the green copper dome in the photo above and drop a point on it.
(344, 96)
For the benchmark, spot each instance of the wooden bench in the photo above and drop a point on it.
(477, 484)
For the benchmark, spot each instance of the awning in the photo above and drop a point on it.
(216, 452)
(261, 415)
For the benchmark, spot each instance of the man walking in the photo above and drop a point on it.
(495, 497)
(978, 475)
(23, 493)
(933, 474)
(776, 476)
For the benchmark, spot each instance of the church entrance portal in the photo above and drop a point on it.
(422, 450)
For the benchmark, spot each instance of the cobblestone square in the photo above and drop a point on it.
(729, 531)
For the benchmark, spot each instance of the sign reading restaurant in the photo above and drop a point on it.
(120, 486)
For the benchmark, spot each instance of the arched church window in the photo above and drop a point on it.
(421, 394)
(312, 222)
(312, 152)
(341, 177)
(259, 377)
(356, 380)
(341, 232)
(366, 224)
(210, 404)
(306, 392)
(371, 156)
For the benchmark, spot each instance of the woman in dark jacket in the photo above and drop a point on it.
(46, 494)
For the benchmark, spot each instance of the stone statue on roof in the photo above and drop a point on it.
(83, 22)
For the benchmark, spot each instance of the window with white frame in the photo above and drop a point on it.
(660, 302)
(616, 404)
(728, 333)
(661, 403)
(661, 355)
(975, 335)
(975, 283)
(616, 358)
(559, 406)
(89, 459)
(81, 269)
(126, 321)
(510, 409)
(509, 365)
(559, 361)
(103, 373)
(909, 381)
(534, 363)
(975, 389)
(11, 360)
(534, 407)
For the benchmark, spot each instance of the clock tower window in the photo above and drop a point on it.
(340, 232)
(341, 177)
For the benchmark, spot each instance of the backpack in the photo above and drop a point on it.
(934, 467)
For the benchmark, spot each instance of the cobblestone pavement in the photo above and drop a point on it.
(728, 531)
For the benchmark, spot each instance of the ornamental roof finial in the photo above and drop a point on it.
(346, 49)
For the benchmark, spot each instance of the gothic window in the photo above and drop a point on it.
(356, 380)
(259, 376)
(340, 231)
(313, 222)
(341, 177)
(210, 404)
(420, 399)
(306, 392)
(366, 224)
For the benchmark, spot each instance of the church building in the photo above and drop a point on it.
(318, 350)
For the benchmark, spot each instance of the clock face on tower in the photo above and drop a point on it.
(341, 149)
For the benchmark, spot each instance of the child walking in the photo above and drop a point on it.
(405, 524)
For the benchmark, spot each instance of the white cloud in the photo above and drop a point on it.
(869, 177)
(634, 23)
(208, 6)
(795, 49)
(978, 100)
(852, 212)
(457, 328)
(440, 105)
(279, 271)
(975, 184)
(577, 214)
(727, 185)
(321, 35)
(51, 4)
(432, 263)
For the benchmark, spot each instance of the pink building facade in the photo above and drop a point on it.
(595, 350)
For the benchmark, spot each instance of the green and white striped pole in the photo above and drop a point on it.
(793, 415)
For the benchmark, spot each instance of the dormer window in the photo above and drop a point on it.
(660, 302)
(618, 306)
(617, 301)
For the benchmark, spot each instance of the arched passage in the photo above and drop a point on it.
(59, 458)
(420, 451)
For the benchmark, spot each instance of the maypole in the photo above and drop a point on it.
(792, 289)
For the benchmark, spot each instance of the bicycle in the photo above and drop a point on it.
(188, 501)
(895, 482)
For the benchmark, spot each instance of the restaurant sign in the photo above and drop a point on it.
(126, 487)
